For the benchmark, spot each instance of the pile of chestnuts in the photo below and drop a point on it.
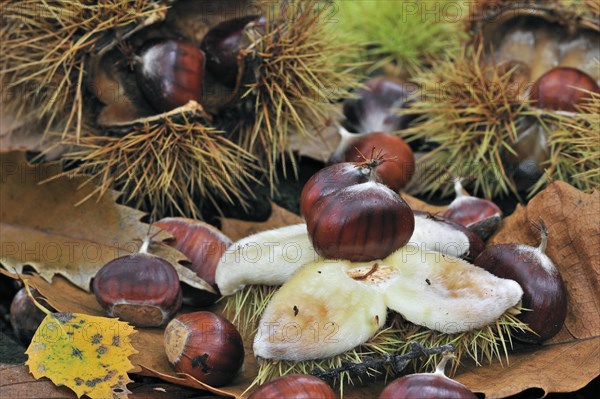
(166, 72)
(145, 289)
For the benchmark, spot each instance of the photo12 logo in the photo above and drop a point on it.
(315, 332)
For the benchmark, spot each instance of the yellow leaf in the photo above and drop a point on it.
(88, 354)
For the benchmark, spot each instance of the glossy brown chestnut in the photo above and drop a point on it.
(170, 73)
(544, 292)
(477, 214)
(205, 346)
(25, 317)
(350, 215)
(329, 181)
(375, 107)
(203, 245)
(399, 165)
(142, 289)
(221, 45)
(296, 386)
(427, 386)
(563, 89)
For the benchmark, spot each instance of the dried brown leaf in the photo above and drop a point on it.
(238, 229)
(568, 361)
(46, 224)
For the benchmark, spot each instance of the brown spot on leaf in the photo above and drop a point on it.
(96, 339)
(102, 350)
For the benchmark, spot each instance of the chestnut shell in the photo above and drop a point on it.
(205, 346)
(562, 89)
(399, 166)
(426, 386)
(203, 245)
(476, 244)
(328, 181)
(170, 73)
(544, 293)
(376, 106)
(25, 317)
(221, 45)
(296, 386)
(139, 288)
(353, 217)
(470, 210)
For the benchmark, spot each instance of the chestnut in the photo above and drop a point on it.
(203, 245)
(437, 233)
(25, 317)
(477, 214)
(296, 386)
(221, 45)
(399, 165)
(205, 346)
(140, 288)
(544, 292)
(375, 107)
(350, 215)
(563, 89)
(170, 73)
(427, 385)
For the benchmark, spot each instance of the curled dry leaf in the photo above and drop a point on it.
(48, 223)
(569, 360)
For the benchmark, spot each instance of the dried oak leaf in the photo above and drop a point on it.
(568, 361)
(46, 223)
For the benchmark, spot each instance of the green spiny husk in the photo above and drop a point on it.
(405, 34)
(45, 47)
(473, 113)
(490, 343)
